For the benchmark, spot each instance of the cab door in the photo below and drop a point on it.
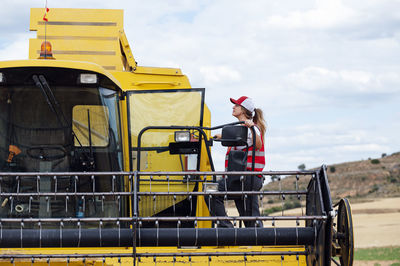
(176, 107)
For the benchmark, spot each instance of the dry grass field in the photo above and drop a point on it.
(377, 223)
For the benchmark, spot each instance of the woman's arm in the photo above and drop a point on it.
(250, 123)
(258, 142)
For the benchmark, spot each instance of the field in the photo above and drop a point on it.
(376, 230)
(377, 223)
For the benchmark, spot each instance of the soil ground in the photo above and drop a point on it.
(376, 224)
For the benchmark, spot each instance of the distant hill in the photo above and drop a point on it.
(358, 180)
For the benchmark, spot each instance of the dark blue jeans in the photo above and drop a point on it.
(246, 206)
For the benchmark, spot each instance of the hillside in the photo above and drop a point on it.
(360, 180)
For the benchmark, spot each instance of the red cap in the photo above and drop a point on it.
(244, 101)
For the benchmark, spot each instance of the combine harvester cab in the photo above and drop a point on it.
(106, 162)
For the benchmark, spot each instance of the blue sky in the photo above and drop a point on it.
(325, 73)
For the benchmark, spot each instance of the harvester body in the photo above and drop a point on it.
(109, 162)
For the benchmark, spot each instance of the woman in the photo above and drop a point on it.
(244, 110)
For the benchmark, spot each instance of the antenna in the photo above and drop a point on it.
(46, 10)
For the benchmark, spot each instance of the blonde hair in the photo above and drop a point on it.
(258, 118)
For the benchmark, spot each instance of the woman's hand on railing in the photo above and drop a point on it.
(217, 136)
(249, 123)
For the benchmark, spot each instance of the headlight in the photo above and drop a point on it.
(87, 78)
(182, 136)
(1, 77)
(210, 187)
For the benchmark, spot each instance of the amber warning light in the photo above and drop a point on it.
(45, 51)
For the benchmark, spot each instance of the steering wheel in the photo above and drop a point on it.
(47, 152)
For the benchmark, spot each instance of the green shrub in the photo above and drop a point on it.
(286, 206)
(375, 161)
(302, 167)
(332, 169)
(375, 188)
(296, 204)
(272, 210)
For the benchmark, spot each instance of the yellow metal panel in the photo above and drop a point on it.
(80, 34)
(158, 70)
(179, 260)
(107, 57)
(136, 81)
(77, 15)
(126, 49)
(149, 205)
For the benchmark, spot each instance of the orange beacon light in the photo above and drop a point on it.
(46, 51)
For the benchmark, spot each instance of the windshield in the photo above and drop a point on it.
(51, 123)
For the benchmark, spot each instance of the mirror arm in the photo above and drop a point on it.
(237, 139)
(253, 155)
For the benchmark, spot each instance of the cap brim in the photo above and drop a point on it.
(234, 101)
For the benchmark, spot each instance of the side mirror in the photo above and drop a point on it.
(234, 136)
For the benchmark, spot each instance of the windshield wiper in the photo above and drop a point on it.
(55, 107)
(90, 134)
(46, 96)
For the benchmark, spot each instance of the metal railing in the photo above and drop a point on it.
(36, 211)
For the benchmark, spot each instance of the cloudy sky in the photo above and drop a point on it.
(325, 73)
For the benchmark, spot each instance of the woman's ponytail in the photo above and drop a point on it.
(258, 119)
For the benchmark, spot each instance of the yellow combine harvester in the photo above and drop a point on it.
(108, 162)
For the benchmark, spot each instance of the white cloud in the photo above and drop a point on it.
(326, 143)
(326, 14)
(17, 48)
(344, 81)
(315, 138)
(217, 74)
